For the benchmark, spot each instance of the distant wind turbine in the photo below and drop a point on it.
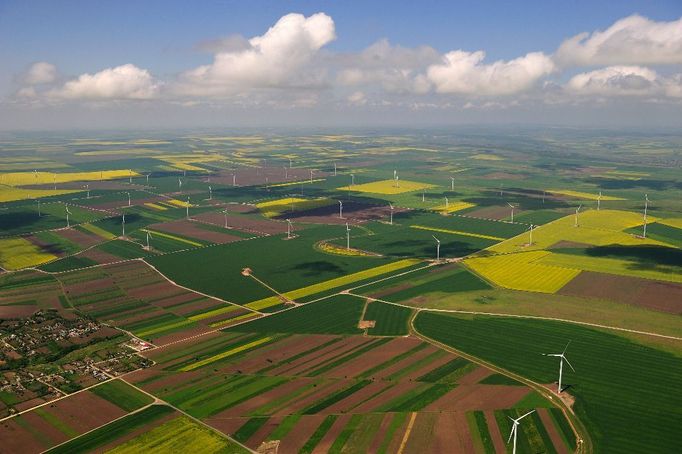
(347, 236)
(38, 200)
(390, 205)
(187, 208)
(123, 224)
(447, 203)
(530, 232)
(288, 229)
(311, 175)
(515, 429)
(210, 193)
(67, 216)
(512, 211)
(225, 213)
(452, 183)
(148, 236)
(599, 201)
(128, 198)
(646, 208)
(577, 210)
(340, 209)
(437, 248)
(334, 168)
(563, 358)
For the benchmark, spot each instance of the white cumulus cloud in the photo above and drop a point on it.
(464, 72)
(122, 82)
(616, 81)
(40, 73)
(274, 59)
(633, 40)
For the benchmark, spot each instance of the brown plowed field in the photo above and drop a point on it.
(331, 436)
(479, 397)
(16, 439)
(84, 411)
(246, 224)
(654, 295)
(554, 435)
(7, 312)
(99, 256)
(475, 376)
(179, 335)
(306, 362)
(190, 229)
(352, 212)
(301, 432)
(82, 239)
(175, 299)
(372, 358)
(491, 212)
(495, 435)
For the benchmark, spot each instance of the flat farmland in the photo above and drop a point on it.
(299, 265)
(618, 384)
(317, 391)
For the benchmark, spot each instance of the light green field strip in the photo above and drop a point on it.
(234, 319)
(332, 283)
(457, 232)
(611, 266)
(162, 328)
(214, 312)
(583, 195)
(522, 271)
(173, 237)
(98, 231)
(226, 354)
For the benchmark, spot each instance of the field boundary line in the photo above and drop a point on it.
(534, 317)
(408, 431)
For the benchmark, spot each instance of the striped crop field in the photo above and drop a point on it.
(523, 271)
(30, 178)
(333, 283)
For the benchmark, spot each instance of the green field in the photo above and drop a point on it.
(620, 387)
(390, 320)
(122, 394)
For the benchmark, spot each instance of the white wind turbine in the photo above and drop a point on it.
(87, 188)
(67, 216)
(130, 176)
(311, 175)
(179, 185)
(225, 214)
(334, 168)
(447, 202)
(452, 183)
(147, 179)
(290, 163)
(646, 208)
(340, 209)
(234, 179)
(352, 179)
(530, 232)
(512, 211)
(128, 198)
(347, 236)
(38, 200)
(395, 178)
(515, 429)
(390, 205)
(187, 208)
(437, 248)
(577, 210)
(563, 358)
(123, 225)
(288, 229)
(149, 248)
(599, 201)
(423, 195)
(286, 173)
(397, 182)
(210, 193)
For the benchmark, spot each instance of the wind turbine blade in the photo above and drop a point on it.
(552, 354)
(566, 347)
(521, 417)
(567, 362)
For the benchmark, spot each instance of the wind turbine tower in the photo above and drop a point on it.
(340, 209)
(390, 205)
(437, 248)
(577, 210)
(452, 183)
(646, 208)
(347, 237)
(562, 358)
(288, 229)
(512, 211)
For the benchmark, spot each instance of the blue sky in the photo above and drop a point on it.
(165, 39)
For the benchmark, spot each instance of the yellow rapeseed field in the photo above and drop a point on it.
(11, 194)
(457, 232)
(17, 253)
(273, 208)
(598, 228)
(30, 178)
(453, 207)
(388, 187)
(521, 271)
